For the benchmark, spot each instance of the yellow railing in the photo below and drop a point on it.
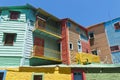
(46, 52)
(87, 58)
(47, 28)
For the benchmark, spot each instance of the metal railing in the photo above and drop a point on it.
(46, 52)
(48, 28)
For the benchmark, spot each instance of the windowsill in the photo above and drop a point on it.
(116, 51)
(8, 44)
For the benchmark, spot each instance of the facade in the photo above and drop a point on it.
(16, 35)
(62, 72)
(112, 29)
(105, 40)
(35, 45)
(74, 40)
(46, 40)
(29, 36)
(99, 43)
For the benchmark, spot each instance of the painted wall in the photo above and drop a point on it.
(61, 73)
(48, 73)
(23, 37)
(105, 74)
(75, 33)
(113, 37)
(51, 46)
(100, 43)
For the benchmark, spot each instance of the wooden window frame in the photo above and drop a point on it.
(115, 48)
(14, 15)
(42, 74)
(117, 26)
(4, 75)
(41, 23)
(5, 39)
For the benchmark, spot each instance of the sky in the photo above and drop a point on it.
(84, 12)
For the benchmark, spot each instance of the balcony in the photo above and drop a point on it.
(87, 58)
(47, 30)
(43, 56)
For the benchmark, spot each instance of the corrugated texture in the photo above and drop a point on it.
(10, 61)
(113, 37)
(23, 45)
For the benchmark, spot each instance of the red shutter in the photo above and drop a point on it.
(39, 46)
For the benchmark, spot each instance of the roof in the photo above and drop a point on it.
(27, 6)
(48, 14)
(79, 66)
(102, 23)
(75, 23)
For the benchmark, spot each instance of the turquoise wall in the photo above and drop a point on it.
(113, 37)
(21, 50)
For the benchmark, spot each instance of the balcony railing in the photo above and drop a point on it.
(46, 53)
(86, 58)
(41, 25)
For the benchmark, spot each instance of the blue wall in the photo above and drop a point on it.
(113, 37)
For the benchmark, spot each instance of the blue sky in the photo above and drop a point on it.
(84, 12)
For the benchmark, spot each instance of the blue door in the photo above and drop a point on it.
(77, 76)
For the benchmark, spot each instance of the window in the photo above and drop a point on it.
(94, 52)
(14, 15)
(117, 25)
(79, 47)
(41, 22)
(71, 46)
(0, 13)
(9, 39)
(91, 35)
(68, 24)
(38, 76)
(31, 23)
(83, 37)
(2, 74)
(115, 48)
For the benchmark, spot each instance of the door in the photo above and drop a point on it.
(77, 76)
(37, 77)
(38, 47)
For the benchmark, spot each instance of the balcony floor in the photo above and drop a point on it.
(36, 61)
(46, 33)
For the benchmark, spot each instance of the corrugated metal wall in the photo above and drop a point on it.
(113, 37)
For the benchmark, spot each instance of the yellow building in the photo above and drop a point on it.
(62, 72)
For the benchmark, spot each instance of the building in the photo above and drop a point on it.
(16, 24)
(99, 43)
(62, 72)
(112, 29)
(31, 36)
(28, 36)
(74, 40)
(35, 45)
(105, 40)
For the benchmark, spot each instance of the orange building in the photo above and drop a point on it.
(74, 40)
(98, 42)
